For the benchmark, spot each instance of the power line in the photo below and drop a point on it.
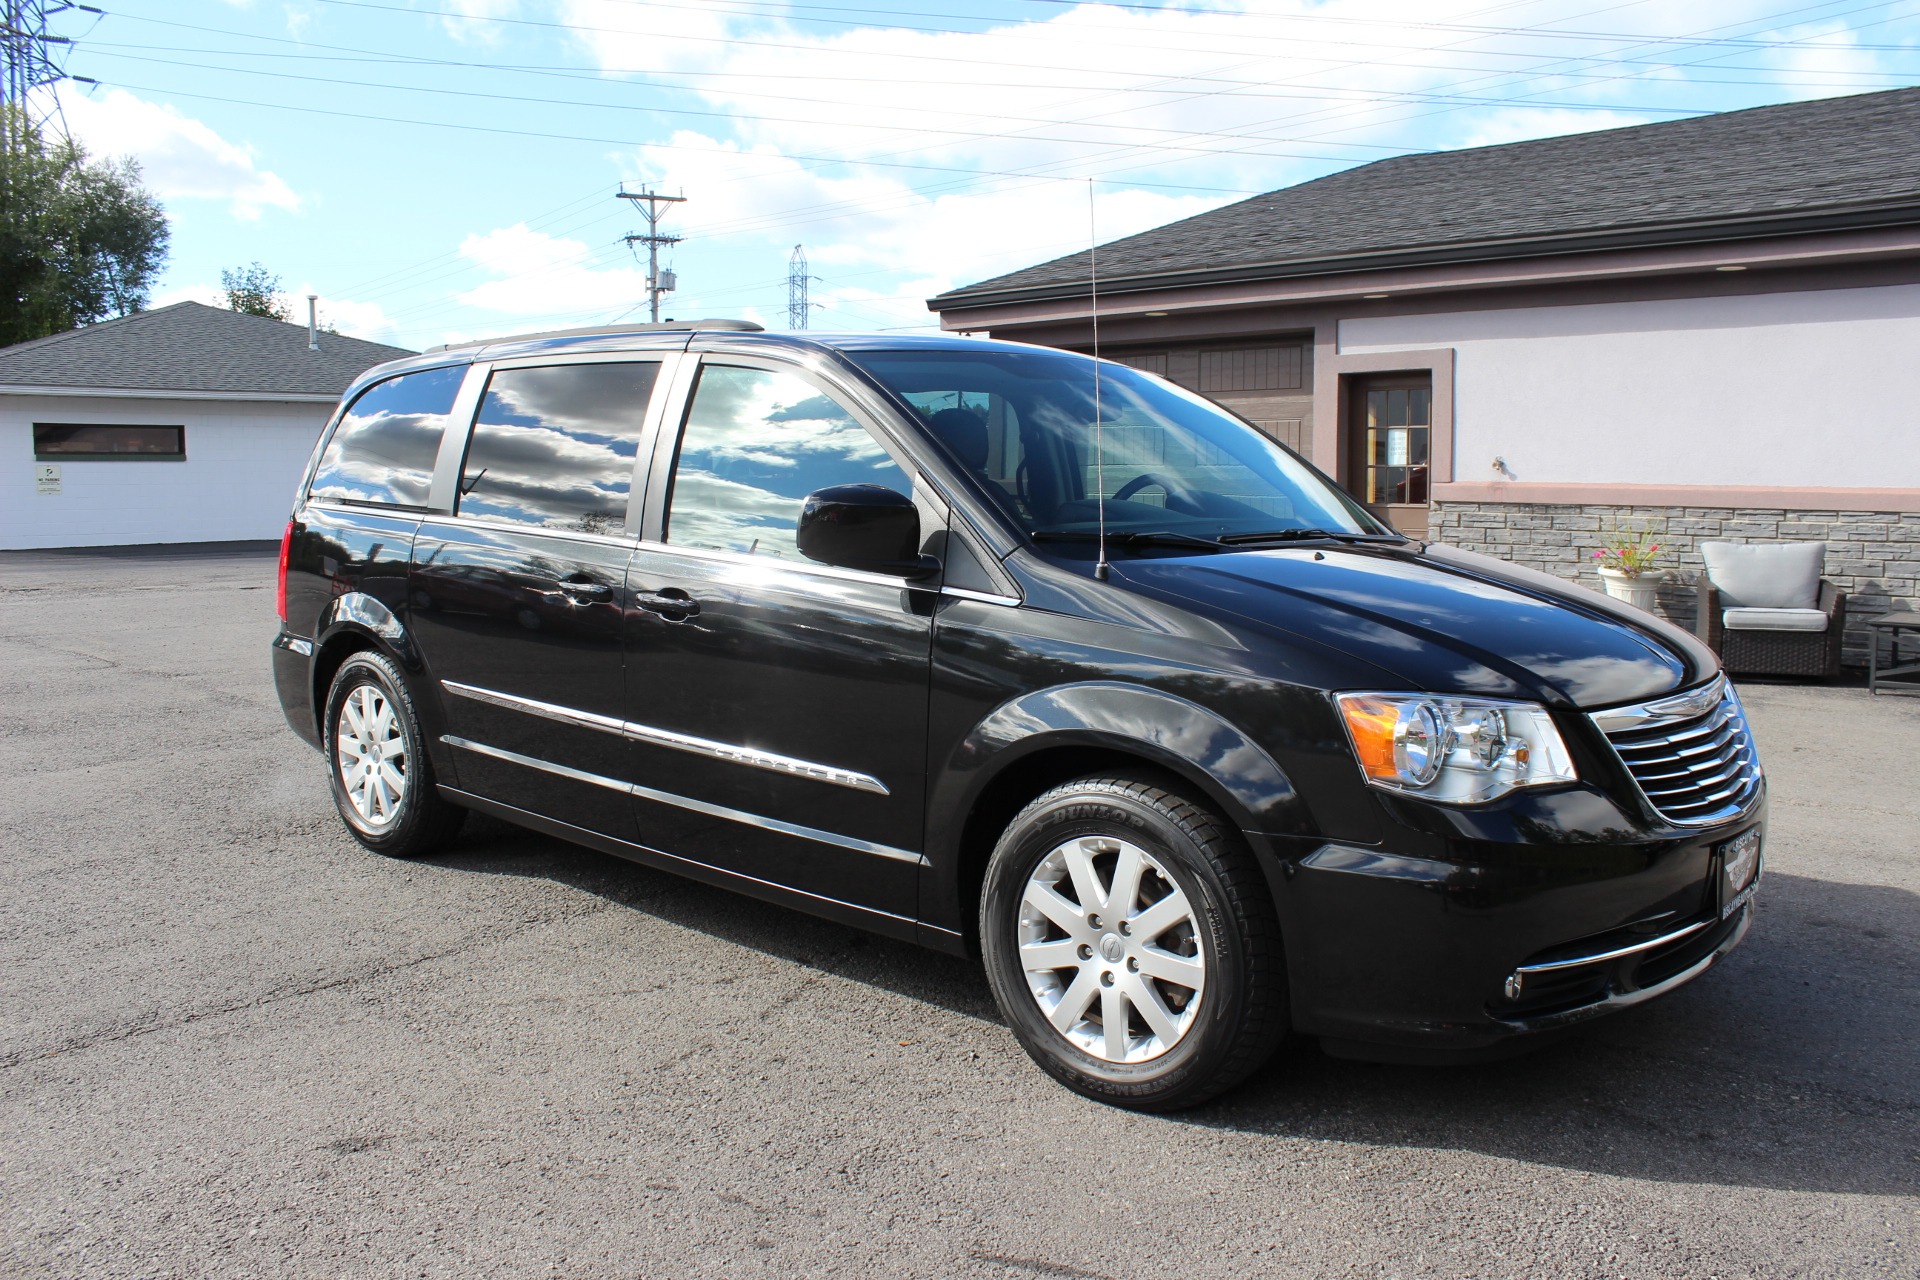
(1428, 96)
(452, 15)
(963, 134)
(1113, 150)
(1249, 88)
(623, 142)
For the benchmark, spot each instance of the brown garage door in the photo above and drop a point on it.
(1268, 383)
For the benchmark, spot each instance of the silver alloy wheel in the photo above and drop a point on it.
(370, 751)
(1101, 918)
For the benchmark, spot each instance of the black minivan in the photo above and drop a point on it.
(1012, 652)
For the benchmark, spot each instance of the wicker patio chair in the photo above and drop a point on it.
(1766, 610)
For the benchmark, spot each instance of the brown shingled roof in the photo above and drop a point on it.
(1767, 170)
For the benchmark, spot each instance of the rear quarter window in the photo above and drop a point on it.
(383, 451)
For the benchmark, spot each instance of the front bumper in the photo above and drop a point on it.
(1417, 958)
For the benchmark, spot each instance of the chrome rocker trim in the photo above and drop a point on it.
(683, 802)
(676, 741)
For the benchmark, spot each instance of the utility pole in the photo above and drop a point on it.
(30, 59)
(797, 277)
(656, 283)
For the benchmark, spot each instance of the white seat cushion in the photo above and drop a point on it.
(1774, 620)
(1768, 575)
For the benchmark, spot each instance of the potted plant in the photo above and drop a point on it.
(1626, 557)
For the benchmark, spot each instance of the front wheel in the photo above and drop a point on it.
(1133, 945)
(377, 764)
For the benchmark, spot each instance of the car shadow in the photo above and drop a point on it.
(1790, 1066)
(492, 846)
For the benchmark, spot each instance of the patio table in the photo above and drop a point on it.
(1906, 676)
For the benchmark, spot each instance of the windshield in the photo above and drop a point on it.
(1022, 423)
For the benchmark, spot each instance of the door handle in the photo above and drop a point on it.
(586, 590)
(671, 603)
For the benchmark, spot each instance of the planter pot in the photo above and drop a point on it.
(1641, 592)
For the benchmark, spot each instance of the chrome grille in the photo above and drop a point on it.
(1691, 753)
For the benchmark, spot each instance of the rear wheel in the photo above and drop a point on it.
(377, 765)
(1133, 945)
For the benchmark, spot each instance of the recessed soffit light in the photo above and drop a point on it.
(1376, 295)
(1729, 268)
(1154, 314)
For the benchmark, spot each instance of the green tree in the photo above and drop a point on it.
(255, 291)
(80, 239)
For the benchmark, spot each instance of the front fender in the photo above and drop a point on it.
(1184, 737)
(1228, 769)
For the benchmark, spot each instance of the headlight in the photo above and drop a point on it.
(1453, 750)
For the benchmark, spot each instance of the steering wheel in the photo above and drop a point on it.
(1179, 497)
(1140, 482)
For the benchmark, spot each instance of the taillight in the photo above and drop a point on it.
(280, 592)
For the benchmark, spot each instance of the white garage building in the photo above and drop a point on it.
(184, 424)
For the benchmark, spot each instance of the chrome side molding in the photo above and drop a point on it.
(685, 802)
(749, 756)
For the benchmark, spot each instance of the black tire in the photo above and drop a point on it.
(421, 820)
(1241, 1015)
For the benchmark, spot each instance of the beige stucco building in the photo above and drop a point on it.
(1708, 328)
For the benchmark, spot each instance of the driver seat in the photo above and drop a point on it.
(964, 433)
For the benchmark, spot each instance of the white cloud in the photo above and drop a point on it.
(538, 275)
(180, 157)
(908, 161)
(878, 222)
(460, 24)
(354, 319)
(1834, 66)
(1518, 124)
(210, 294)
(964, 178)
(1272, 95)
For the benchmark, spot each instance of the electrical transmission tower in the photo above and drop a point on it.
(30, 60)
(658, 282)
(797, 278)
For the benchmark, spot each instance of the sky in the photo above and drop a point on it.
(439, 170)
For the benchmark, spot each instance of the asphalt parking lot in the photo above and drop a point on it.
(234, 1044)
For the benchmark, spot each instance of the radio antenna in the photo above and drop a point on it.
(1100, 569)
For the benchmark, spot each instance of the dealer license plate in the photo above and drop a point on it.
(1739, 870)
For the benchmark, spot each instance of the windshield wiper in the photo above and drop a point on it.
(1305, 535)
(1153, 538)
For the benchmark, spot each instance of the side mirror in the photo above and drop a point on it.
(863, 526)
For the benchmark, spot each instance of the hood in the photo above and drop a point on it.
(1443, 620)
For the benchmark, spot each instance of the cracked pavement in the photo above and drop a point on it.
(233, 1044)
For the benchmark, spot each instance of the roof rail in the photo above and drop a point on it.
(670, 326)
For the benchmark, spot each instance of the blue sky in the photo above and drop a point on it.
(444, 169)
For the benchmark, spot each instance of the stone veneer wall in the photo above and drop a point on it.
(1873, 556)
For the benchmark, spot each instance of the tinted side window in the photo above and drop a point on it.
(755, 444)
(383, 449)
(554, 446)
